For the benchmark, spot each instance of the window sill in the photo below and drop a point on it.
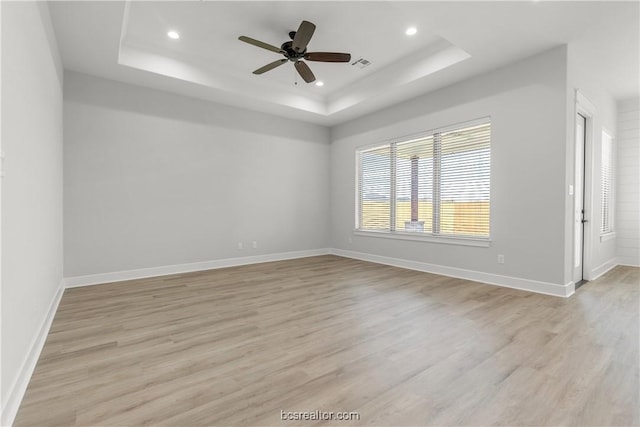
(463, 241)
(607, 236)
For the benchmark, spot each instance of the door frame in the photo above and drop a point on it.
(585, 108)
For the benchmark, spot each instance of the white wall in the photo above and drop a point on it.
(627, 207)
(31, 191)
(154, 179)
(526, 102)
(602, 251)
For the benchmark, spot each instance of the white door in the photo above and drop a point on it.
(578, 216)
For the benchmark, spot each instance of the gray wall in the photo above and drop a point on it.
(526, 102)
(154, 179)
(627, 182)
(31, 188)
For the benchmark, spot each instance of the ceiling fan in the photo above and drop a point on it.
(296, 50)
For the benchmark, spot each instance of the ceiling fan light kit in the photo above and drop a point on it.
(296, 50)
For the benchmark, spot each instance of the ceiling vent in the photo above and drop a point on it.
(361, 63)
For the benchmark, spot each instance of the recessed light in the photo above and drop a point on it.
(319, 83)
(173, 35)
(411, 31)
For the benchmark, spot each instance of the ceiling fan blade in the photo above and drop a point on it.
(260, 44)
(270, 66)
(303, 35)
(327, 57)
(304, 71)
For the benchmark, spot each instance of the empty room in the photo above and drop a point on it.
(333, 213)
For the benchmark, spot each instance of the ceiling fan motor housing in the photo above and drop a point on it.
(290, 53)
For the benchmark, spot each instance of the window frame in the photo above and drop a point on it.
(465, 240)
(607, 232)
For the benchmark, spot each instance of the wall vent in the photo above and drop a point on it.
(361, 63)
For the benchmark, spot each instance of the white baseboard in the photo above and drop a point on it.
(629, 261)
(554, 289)
(16, 391)
(478, 276)
(602, 269)
(119, 276)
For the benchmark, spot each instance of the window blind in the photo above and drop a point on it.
(465, 181)
(437, 184)
(607, 184)
(414, 185)
(374, 183)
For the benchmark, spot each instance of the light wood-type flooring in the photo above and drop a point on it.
(237, 346)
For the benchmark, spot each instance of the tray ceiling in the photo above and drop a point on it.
(128, 41)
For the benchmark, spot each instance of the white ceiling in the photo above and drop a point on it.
(127, 41)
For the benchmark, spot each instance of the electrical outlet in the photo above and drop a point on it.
(240, 246)
(500, 259)
(255, 244)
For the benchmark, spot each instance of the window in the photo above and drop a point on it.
(434, 185)
(607, 184)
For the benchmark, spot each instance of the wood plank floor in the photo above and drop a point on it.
(237, 346)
